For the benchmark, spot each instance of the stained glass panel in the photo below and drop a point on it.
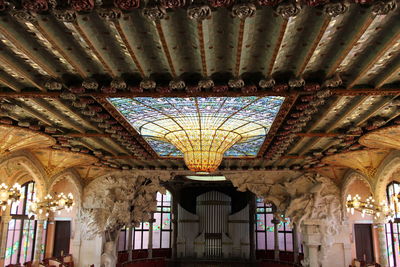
(250, 117)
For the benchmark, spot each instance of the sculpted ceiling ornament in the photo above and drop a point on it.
(157, 10)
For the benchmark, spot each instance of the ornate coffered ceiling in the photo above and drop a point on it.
(336, 63)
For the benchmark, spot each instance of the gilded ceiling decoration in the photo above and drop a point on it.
(388, 137)
(55, 161)
(14, 138)
(89, 173)
(335, 173)
(365, 161)
(336, 63)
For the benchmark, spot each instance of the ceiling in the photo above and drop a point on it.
(336, 64)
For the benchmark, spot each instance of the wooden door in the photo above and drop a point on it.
(364, 242)
(62, 238)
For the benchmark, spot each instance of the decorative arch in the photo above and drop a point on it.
(348, 179)
(384, 174)
(24, 161)
(73, 177)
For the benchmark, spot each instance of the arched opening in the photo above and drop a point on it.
(22, 230)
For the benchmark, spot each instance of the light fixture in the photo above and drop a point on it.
(206, 178)
(9, 195)
(203, 149)
(51, 204)
(368, 207)
(202, 129)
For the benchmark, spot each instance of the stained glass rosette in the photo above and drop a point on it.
(203, 130)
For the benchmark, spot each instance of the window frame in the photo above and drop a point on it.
(269, 208)
(22, 217)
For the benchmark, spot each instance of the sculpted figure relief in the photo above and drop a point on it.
(114, 201)
(309, 196)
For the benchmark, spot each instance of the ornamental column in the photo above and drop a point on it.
(295, 244)
(51, 230)
(5, 220)
(150, 244)
(130, 241)
(39, 236)
(252, 214)
(175, 202)
(383, 260)
(276, 222)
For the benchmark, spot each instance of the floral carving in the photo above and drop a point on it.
(52, 84)
(220, 89)
(269, 2)
(266, 83)
(23, 15)
(172, 3)
(199, 12)
(383, 7)
(118, 84)
(35, 5)
(335, 9)
(244, 10)
(236, 83)
(109, 14)
(221, 3)
(154, 12)
(148, 84)
(287, 10)
(90, 84)
(297, 82)
(316, 2)
(66, 15)
(251, 89)
(127, 4)
(177, 84)
(82, 5)
(206, 83)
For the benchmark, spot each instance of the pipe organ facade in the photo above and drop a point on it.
(213, 232)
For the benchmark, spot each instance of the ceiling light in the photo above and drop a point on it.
(207, 178)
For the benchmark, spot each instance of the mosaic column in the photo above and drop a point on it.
(130, 241)
(276, 238)
(4, 229)
(383, 254)
(38, 242)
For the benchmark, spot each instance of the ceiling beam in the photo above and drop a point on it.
(164, 46)
(200, 34)
(314, 46)
(332, 69)
(239, 47)
(277, 47)
(378, 56)
(89, 44)
(128, 46)
(337, 91)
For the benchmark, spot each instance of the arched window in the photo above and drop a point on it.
(265, 229)
(161, 228)
(392, 229)
(21, 234)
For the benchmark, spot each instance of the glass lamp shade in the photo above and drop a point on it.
(203, 149)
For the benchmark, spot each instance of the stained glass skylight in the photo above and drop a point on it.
(161, 121)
